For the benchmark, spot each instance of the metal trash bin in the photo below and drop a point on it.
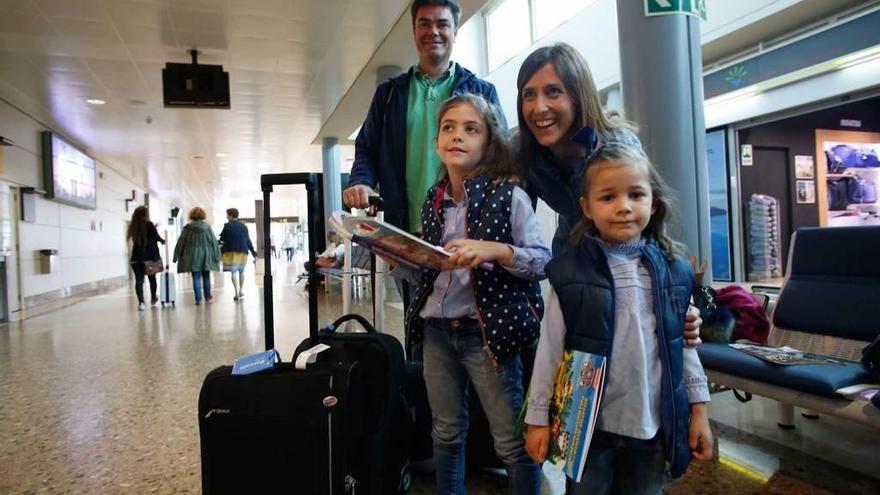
(48, 260)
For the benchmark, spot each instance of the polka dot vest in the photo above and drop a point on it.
(510, 308)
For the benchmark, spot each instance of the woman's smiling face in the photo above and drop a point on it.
(548, 109)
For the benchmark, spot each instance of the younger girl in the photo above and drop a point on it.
(621, 291)
(473, 321)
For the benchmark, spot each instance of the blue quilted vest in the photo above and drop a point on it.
(582, 280)
(510, 308)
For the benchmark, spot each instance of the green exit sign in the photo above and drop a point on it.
(663, 7)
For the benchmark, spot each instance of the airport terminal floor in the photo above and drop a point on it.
(97, 397)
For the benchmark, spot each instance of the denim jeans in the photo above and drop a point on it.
(199, 279)
(621, 465)
(453, 357)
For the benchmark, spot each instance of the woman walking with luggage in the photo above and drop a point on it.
(474, 320)
(235, 245)
(144, 249)
(197, 252)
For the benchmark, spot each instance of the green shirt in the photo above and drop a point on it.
(422, 161)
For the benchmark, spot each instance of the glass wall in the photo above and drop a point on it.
(719, 205)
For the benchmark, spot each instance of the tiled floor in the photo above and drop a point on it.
(99, 398)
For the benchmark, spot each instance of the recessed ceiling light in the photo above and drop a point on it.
(95, 101)
(197, 157)
(220, 155)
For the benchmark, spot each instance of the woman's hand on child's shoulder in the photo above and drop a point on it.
(692, 322)
(469, 253)
(537, 440)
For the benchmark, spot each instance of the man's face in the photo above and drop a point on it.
(434, 33)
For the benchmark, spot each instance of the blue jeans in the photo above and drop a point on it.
(453, 357)
(198, 279)
(621, 465)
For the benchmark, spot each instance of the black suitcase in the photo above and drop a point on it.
(329, 429)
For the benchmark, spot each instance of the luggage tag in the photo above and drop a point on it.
(256, 362)
(309, 355)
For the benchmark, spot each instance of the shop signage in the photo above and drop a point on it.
(850, 123)
(695, 8)
(745, 155)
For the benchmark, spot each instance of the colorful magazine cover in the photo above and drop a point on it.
(783, 355)
(390, 242)
(574, 409)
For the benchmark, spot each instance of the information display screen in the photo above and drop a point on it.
(68, 173)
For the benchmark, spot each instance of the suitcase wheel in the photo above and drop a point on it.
(405, 479)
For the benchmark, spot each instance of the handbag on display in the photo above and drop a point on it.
(153, 267)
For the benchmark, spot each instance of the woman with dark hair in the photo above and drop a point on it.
(561, 122)
(235, 245)
(144, 247)
(197, 252)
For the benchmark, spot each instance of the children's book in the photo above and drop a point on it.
(574, 409)
(391, 242)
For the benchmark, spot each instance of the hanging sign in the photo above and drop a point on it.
(696, 8)
(745, 155)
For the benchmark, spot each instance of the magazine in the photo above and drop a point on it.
(783, 355)
(390, 242)
(574, 410)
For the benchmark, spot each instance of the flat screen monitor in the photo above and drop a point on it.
(68, 173)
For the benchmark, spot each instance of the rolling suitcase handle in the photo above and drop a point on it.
(376, 204)
(267, 181)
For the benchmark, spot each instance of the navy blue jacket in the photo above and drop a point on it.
(583, 281)
(380, 147)
(234, 237)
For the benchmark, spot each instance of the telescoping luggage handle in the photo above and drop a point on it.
(267, 181)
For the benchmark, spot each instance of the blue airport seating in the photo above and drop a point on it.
(829, 304)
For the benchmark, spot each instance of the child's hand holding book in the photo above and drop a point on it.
(470, 253)
(537, 440)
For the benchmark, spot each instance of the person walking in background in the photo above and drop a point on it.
(235, 245)
(144, 247)
(287, 245)
(197, 252)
